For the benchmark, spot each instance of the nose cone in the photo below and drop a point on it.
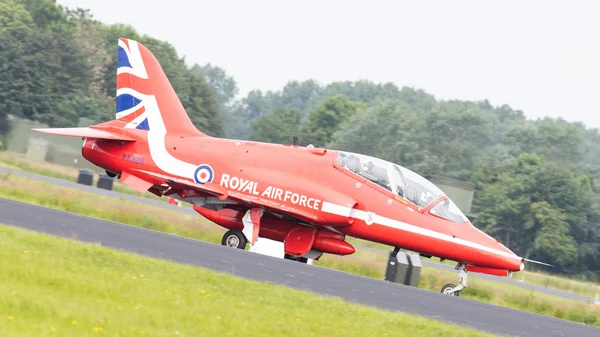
(498, 255)
(512, 260)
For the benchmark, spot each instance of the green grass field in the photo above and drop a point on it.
(363, 262)
(56, 287)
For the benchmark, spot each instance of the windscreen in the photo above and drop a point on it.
(448, 210)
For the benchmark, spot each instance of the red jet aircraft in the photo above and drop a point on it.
(309, 198)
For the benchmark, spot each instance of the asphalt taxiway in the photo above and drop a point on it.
(324, 281)
(163, 204)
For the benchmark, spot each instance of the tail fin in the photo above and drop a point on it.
(145, 98)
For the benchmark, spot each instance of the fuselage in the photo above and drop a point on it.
(310, 180)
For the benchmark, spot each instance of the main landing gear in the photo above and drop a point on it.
(451, 289)
(234, 239)
(293, 258)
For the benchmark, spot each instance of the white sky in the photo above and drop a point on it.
(542, 57)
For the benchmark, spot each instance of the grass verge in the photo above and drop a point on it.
(366, 263)
(65, 288)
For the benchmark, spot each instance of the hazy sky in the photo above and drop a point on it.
(542, 57)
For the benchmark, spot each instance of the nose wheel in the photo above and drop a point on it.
(451, 289)
(448, 290)
(234, 239)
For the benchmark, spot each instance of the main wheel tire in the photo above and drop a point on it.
(293, 258)
(234, 239)
(302, 259)
(446, 290)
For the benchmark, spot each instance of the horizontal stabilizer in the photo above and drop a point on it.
(85, 132)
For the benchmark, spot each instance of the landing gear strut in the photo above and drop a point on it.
(451, 289)
(234, 239)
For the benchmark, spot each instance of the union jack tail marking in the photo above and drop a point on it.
(145, 98)
(130, 102)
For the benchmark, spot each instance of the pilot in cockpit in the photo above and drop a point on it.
(426, 198)
(376, 174)
(369, 171)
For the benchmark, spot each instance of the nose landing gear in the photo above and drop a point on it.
(451, 289)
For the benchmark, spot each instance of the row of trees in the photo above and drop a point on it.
(59, 65)
(535, 179)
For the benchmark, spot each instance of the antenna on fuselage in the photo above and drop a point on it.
(295, 140)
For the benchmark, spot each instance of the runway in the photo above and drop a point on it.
(354, 288)
(163, 204)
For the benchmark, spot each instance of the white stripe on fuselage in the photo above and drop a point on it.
(383, 221)
(156, 141)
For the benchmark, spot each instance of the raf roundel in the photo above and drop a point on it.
(204, 174)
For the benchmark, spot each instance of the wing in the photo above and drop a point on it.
(176, 184)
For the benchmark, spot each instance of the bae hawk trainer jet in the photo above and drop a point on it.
(309, 198)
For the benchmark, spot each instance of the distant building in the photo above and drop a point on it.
(461, 193)
(44, 147)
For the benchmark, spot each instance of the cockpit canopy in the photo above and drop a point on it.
(402, 182)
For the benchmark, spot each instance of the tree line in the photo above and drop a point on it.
(535, 180)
